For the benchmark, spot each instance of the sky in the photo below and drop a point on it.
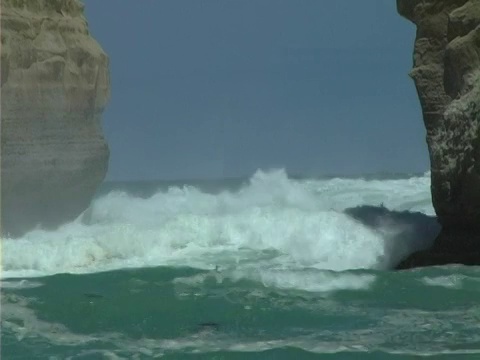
(221, 88)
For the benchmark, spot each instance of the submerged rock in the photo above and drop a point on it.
(446, 72)
(54, 87)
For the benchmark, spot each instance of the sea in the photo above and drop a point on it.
(267, 267)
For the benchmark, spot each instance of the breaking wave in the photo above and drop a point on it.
(274, 224)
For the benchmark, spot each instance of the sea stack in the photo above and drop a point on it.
(54, 87)
(446, 72)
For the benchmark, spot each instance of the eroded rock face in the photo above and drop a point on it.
(54, 87)
(446, 72)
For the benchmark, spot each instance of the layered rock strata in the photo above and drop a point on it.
(54, 87)
(446, 72)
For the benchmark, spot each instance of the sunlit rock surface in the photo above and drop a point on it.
(54, 87)
(446, 71)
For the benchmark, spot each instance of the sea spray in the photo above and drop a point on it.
(300, 223)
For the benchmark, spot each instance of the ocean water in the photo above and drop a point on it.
(271, 267)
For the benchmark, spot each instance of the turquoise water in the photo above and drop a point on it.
(147, 313)
(268, 268)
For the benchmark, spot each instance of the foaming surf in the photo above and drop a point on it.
(289, 225)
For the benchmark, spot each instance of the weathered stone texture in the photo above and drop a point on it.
(446, 72)
(54, 87)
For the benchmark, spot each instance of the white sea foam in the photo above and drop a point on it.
(450, 281)
(20, 284)
(300, 222)
(283, 278)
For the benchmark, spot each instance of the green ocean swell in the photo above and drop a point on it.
(182, 313)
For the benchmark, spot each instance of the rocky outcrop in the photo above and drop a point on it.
(446, 72)
(54, 87)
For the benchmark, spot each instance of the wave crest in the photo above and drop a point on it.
(301, 223)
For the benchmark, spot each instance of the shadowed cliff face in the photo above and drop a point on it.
(54, 87)
(446, 72)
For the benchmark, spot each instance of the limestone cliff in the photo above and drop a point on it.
(54, 87)
(446, 72)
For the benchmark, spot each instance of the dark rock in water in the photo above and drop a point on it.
(54, 85)
(405, 231)
(375, 216)
(451, 247)
(432, 258)
(446, 72)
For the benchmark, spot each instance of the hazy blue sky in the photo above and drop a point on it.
(212, 88)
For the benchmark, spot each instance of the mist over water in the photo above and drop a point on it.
(275, 229)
